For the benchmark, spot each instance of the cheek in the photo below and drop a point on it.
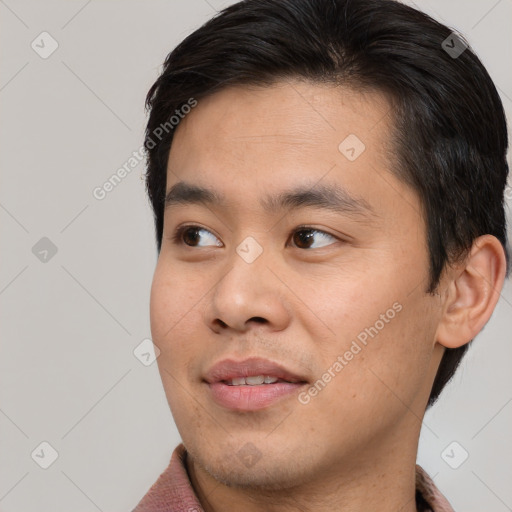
(172, 297)
(380, 339)
(176, 305)
(175, 309)
(343, 304)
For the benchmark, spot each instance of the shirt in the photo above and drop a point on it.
(173, 491)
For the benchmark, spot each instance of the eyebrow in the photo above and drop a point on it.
(324, 196)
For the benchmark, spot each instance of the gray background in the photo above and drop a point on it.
(70, 324)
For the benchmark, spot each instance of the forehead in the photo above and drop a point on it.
(247, 141)
(307, 117)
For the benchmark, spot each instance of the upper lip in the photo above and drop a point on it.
(228, 369)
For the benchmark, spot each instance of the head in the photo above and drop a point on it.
(355, 96)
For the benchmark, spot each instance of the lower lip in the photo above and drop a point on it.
(251, 398)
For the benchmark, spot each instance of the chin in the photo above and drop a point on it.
(247, 468)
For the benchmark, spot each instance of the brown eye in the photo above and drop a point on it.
(192, 236)
(304, 238)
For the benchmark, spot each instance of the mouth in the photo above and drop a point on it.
(251, 384)
(254, 380)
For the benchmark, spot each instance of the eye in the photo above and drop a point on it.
(191, 235)
(304, 238)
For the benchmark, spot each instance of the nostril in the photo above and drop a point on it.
(258, 319)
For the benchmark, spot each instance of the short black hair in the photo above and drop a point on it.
(450, 131)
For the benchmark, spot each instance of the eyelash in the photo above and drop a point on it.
(178, 234)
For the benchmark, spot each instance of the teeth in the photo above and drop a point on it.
(252, 381)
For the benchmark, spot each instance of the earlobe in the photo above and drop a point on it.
(472, 291)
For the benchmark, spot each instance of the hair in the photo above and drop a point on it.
(449, 130)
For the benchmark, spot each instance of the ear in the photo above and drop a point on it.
(471, 291)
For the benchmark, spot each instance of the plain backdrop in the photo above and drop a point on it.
(75, 271)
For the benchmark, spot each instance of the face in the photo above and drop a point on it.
(305, 268)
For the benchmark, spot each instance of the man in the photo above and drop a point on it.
(327, 178)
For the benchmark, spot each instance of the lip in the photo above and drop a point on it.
(231, 369)
(251, 398)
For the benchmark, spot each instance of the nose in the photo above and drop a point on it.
(246, 295)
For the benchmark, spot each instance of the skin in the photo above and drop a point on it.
(353, 446)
